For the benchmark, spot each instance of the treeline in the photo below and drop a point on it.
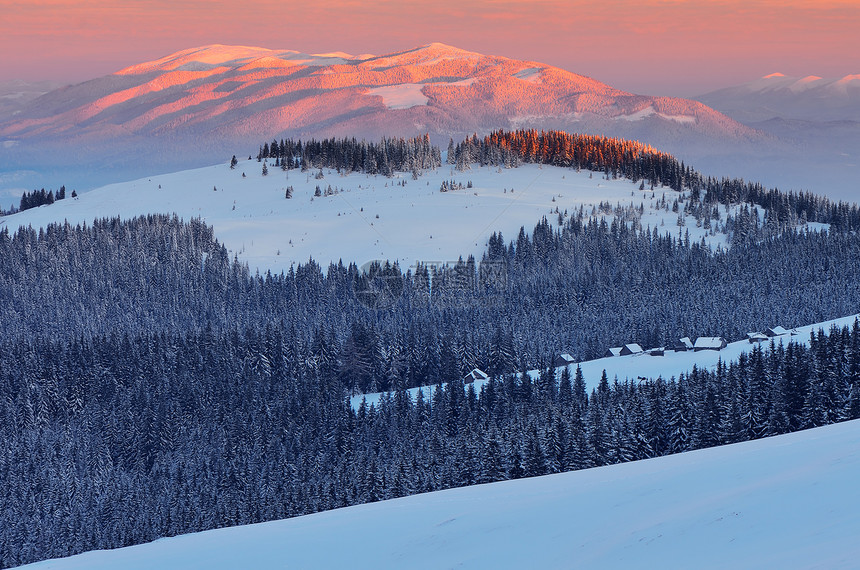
(386, 157)
(619, 158)
(123, 439)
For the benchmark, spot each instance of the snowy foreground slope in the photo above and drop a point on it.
(784, 502)
(369, 218)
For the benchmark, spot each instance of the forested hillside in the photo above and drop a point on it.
(621, 158)
(580, 289)
(150, 385)
(173, 392)
(123, 439)
(614, 157)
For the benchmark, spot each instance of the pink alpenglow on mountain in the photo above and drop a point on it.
(238, 91)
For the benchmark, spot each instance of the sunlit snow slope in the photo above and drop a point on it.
(785, 502)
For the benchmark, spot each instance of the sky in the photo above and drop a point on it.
(659, 47)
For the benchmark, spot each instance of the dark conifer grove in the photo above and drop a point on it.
(388, 156)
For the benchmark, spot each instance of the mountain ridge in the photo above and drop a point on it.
(810, 98)
(233, 90)
(200, 106)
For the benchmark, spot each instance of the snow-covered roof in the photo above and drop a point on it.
(567, 357)
(756, 336)
(634, 348)
(614, 351)
(686, 342)
(475, 374)
(776, 331)
(709, 342)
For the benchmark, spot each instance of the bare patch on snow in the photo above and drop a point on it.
(403, 96)
(649, 111)
(531, 74)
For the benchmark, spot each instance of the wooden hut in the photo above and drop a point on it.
(563, 360)
(632, 348)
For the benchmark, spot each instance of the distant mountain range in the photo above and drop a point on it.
(810, 98)
(814, 126)
(16, 94)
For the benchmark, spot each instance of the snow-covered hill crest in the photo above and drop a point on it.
(359, 217)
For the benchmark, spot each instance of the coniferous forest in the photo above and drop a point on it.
(151, 386)
(579, 289)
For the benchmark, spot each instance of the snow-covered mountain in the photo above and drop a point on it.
(784, 502)
(200, 105)
(233, 92)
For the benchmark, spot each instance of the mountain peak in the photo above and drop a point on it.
(205, 57)
(774, 76)
(438, 47)
(425, 55)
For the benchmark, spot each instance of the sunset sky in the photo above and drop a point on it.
(664, 47)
